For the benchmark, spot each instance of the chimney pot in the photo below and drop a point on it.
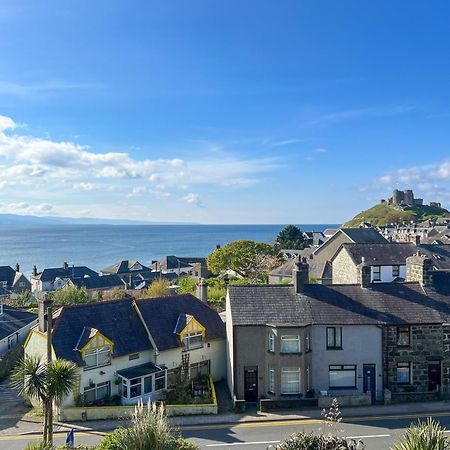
(65, 265)
(17, 267)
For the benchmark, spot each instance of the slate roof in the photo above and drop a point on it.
(438, 253)
(387, 254)
(285, 270)
(117, 320)
(99, 282)
(139, 371)
(7, 274)
(364, 235)
(13, 319)
(161, 317)
(173, 262)
(383, 303)
(60, 272)
(126, 266)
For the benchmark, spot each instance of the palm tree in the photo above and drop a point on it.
(48, 383)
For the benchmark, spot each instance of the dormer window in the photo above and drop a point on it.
(97, 357)
(193, 340)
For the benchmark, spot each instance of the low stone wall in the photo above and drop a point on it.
(407, 397)
(346, 400)
(125, 412)
(269, 404)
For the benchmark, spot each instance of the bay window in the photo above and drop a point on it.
(290, 344)
(290, 380)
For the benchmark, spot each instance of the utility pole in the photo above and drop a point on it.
(49, 360)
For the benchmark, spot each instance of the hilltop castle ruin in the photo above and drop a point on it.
(406, 198)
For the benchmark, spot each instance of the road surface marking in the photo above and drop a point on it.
(368, 437)
(243, 443)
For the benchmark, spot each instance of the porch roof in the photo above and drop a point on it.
(139, 371)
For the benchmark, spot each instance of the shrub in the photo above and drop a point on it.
(150, 430)
(427, 435)
(159, 288)
(186, 285)
(308, 441)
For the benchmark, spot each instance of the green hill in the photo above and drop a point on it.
(384, 214)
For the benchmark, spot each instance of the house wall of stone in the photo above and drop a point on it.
(344, 269)
(427, 344)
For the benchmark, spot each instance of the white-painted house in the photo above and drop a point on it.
(130, 348)
(15, 324)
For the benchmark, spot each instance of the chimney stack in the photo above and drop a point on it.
(35, 272)
(17, 267)
(202, 290)
(300, 275)
(65, 265)
(416, 239)
(420, 268)
(364, 274)
(44, 307)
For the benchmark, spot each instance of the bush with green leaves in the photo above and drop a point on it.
(186, 285)
(70, 295)
(427, 435)
(150, 430)
(309, 441)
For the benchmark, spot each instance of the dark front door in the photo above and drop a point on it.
(251, 384)
(434, 375)
(369, 380)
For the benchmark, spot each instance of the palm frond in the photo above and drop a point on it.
(62, 376)
(29, 378)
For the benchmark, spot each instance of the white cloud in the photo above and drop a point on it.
(193, 199)
(26, 208)
(320, 150)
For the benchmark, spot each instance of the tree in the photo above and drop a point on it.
(186, 285)
(291, 237)
(70, 295)
(249, 259)
(48, 383)
(159, 288)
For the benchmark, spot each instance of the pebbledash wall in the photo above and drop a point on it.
(428, 343)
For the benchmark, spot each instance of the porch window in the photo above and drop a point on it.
(290, 380)
(160, 381)
(142, 380)
(135, 387)
(290, 344)
(96, 392)
(404, 373)
(193, 341)
(342, 377)
(97, 357)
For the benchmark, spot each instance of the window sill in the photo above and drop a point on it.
(334, 348)
(191, 349)
(291, 353)
(343, 388)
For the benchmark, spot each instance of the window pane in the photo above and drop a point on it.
(148, 384)
(338, 337)
(290, 381)
(272, 380)
(89, 395)
(103, 356)
(330, 337)
(160, 381)
(135, 388)
(90, 359)
(290, 344)
(403, 373)
(340, 378)
(102, 391)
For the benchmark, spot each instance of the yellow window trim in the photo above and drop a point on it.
(88, 345)
(193, 326)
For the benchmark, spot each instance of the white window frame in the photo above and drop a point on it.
(289, 338)
(343, 368)
(285, 383)
(272, 380)
(271, 341)
(376, 273)
(13, 341)
(96, 388)
(187, 341)
(96, 352)
(396, 269)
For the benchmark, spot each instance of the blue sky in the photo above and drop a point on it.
(222, 111)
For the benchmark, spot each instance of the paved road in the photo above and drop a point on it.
(378, 433)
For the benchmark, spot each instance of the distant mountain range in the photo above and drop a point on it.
(16, 220)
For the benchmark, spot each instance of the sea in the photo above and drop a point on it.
(98, 246)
